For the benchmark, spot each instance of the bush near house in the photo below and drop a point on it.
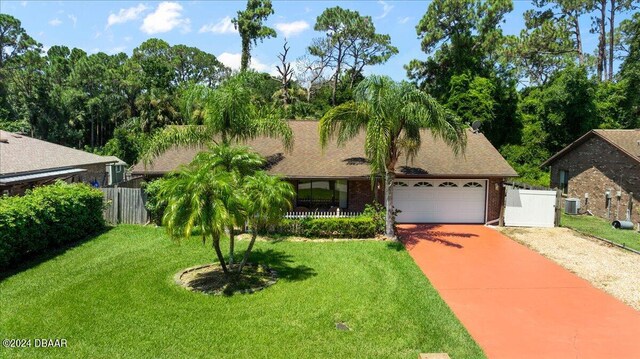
(353, 227)
(47, 217)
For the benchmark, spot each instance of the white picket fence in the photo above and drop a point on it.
(337, 214)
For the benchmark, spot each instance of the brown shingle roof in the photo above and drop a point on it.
(627, 141)
(23, 154)
(308, 160)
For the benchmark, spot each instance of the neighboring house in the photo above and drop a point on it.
(596, 168)
(116, 171)
(437, 187)
(27, 162)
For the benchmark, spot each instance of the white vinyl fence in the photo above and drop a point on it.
(337, 214)
(530, 208)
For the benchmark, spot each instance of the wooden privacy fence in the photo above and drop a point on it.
(125, 205)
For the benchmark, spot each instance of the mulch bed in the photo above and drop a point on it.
(210, 279)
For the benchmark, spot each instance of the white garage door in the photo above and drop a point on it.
(440, 201)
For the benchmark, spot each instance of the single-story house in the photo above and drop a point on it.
(437, 187)
(602, 169)
(27, 162)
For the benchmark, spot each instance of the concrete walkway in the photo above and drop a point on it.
(516, 303)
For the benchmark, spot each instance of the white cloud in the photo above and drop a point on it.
(23, 3)
(386, 9)
(73, 19)
(168, 15)
(55, 22)
(292, 28)
(125, 15)
(403, 20)
(232, 61)
(224, 26)
(128, 38)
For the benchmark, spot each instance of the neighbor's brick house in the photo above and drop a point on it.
(437, 186)
(601, 161)
(27, 162)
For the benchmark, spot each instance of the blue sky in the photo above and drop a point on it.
(120, 26)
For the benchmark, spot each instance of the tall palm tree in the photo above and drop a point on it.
(392, 115)
(268, 198)
(239, 162)
(196, 199)
(230, 114)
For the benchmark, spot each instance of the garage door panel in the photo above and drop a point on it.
(454, 203)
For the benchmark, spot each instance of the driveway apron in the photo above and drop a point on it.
(517, 304)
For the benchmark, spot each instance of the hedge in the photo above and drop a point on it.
(47, 217)
(353, 227)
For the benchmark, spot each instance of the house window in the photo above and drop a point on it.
(322, 194)
(473, 185)
(448, 184)
(400, 184)
(564, 181)
(423, 184)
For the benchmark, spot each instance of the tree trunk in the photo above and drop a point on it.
(336, 76)
(216, 247)
(388, 204)
(612, 30)
(244, 60)
(231, 245)
(254, 234)
(601, 39)
(578, 41)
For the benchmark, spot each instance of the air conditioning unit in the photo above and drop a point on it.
(571, 205)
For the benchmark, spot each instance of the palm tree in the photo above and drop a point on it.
(229, 113)
(392, 115)
(196, 199)
(239, 162)
(268, 198)
(220, 189)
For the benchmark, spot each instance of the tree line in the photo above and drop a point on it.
(533, 93)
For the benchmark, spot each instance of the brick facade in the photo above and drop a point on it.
(495, 198)
(595, 167)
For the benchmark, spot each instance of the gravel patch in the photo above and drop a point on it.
(607, 267)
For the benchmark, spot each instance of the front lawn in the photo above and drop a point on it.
(599, 227)
(115, 296)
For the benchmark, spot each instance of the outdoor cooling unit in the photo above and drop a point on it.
(571, 205)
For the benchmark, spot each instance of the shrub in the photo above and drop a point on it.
(154, 204)
(47, 217)
(354, 227)
(377, 213)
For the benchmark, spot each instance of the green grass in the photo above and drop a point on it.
(114, 296)
(599, 227)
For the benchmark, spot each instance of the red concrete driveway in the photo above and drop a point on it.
(516, 303)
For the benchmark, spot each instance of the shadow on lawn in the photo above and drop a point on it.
(49, 253)
(281, 263)
(429, 232)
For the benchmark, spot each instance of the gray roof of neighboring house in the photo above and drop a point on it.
(308, 160)
(115, 160)
(23, 154)
(627, 141)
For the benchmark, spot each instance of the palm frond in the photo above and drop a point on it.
(342, 123)
(188, 136)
